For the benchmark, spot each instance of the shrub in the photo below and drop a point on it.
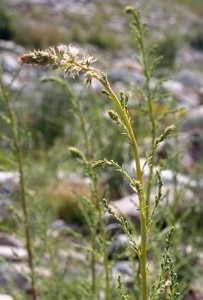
(6, 32)
(167, 49)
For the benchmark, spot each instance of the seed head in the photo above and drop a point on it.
(113, 115)
(37, 57)
(68, 58)
(76, 153)
(129, 9)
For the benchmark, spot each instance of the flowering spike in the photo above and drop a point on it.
(38, 57)
(68, 58)
(113, 115)
(124, 99)
(104, 77)
(76, 153)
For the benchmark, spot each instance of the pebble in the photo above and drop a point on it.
(11, 273)
(118, 247)
(6, 297)
(193, 120)
(9, 182)
(8, 240)
(11, 253)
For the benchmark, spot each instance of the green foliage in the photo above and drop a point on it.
(196, 38)
(103, 39)
(167, 49)
(6, 32)
(31, 33)
(48, 119)
(64, 118)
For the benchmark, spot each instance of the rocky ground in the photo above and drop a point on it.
(185, 86)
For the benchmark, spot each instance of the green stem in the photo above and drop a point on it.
(139, 176)
(98, 205)
(105, 255)
(147, 74)
(18, 150)
(93, 263)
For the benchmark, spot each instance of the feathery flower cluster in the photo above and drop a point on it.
(68, 58)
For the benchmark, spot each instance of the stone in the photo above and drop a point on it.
(193, 294)
(189, 145)
(6, 297)
(193, 120)
(6, 211)
(58, 224)
(113, 229)
(118, 247)
(127, 76)
(126, 271)
(8, 240)
(9, 182)
(186, 96)
(13, 253)
(128, 207)
(12, 274)
(10, 46)
(188, 78)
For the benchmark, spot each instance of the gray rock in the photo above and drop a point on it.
(188, 79)
(193, 294)
(10, 46)
(13, 253)
(189, 145)
(186, 96)
(6, 210)
(118, 247)
(9, 182)
(8, 240)
(113, 229)
(127, 76)
(10, 62)
(125, 270)
(6, 297)
(193, 120)
(128, 206)
(12, 275)
(58, 224)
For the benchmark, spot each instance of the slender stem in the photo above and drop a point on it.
(147, 74)
(93, 263)
(73, 67)
(105, 255)
(139, 176)
(18, 150)
(98, 204)
(175, 181)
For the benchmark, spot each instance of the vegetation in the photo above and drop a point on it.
(68, 132)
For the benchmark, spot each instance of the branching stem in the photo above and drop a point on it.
(14, 132)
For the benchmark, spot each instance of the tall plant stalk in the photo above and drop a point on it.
(19, 156)
(97, 223)
(139, 175)
(103, 241)
(68, 59)
(140, 30)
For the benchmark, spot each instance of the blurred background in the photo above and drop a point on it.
(54, 112)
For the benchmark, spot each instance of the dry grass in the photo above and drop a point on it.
(65, 197)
